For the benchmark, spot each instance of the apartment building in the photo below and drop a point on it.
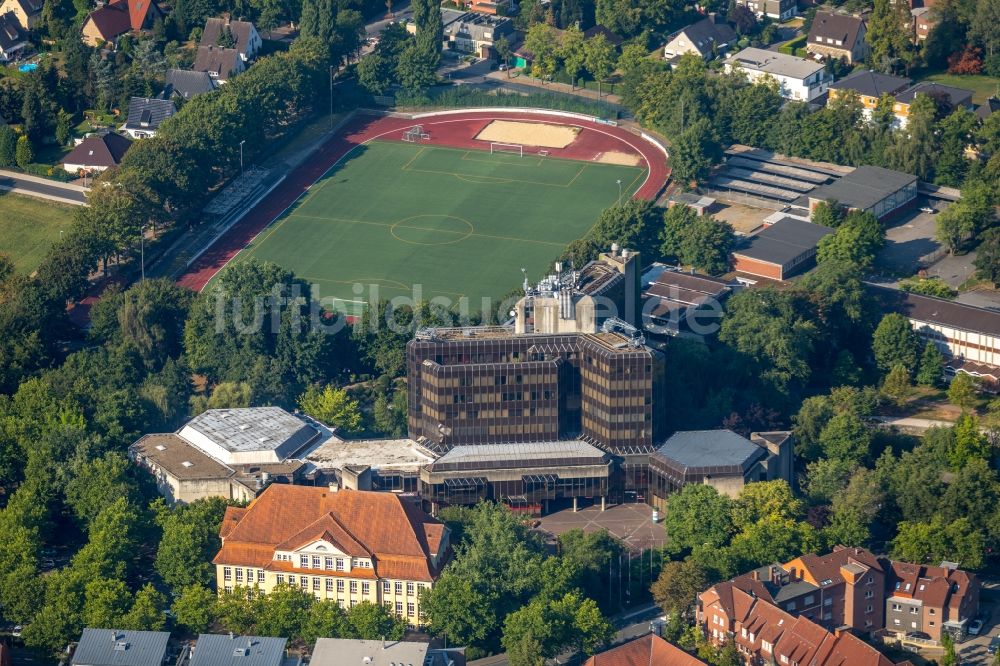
(842, 589)
(931, 600)
(764, 633)
(869, 87)
(351, 546)
(798, 79)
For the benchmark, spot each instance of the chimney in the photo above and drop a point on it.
(231, 637)
(755, 574)
(333, 487)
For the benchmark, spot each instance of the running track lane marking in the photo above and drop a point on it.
(471, 116)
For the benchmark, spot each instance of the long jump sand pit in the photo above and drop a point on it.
(620, 158)
(542, 135)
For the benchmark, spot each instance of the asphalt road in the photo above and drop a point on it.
(9, 181)
(401, 12)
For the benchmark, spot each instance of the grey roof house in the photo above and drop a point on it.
(231, 650)
(705, 38)
(219, 63)
(115, 647)
(186, 84)
(145, 115)
(836, 35)
(242, 34)
(97, 153)
(12, 40)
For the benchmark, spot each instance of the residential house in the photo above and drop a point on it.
(231, 453)
(186, 84)
(612, 38)
(779, 10)
(764, 633)
(221, 64)
(840, 36)
(96, 153)
(869, 86)
(851, 583)
(968, 337)
(108, 22)
(649, 649)
(337, 651)
(231, 650)
(474, 32)
(923, 22)
(145, 116)
(988, 108)
(881, 192)
(780, 250)
(349, 545)
(706, 39)
(28, 12)
(719, 458)
(240, 35)
(12, 40)
(115, 647)
(931, 600)
(946, 96)
(799, 79)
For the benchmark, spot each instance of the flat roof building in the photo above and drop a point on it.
(781, 249)
(248, 435)
(338, 651)
(372, 464)
(672, 299)
(487, 385)
(525, 477)
(872, 189)
(117, 647)
(231, 453)
(719, 458)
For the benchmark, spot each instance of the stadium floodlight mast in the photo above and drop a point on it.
(241, 159)
(619, 191)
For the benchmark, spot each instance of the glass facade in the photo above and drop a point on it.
(486, 385)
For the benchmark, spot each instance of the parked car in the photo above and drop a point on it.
(502, 67)
(975, 627)
(16, 632)
(48, 564)
(919, 635)
(928, 210)
(994, 645)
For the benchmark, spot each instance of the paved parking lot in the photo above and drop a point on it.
(632, 523)
(909, 242)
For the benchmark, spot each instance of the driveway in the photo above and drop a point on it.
(42, 188)
(973, 650)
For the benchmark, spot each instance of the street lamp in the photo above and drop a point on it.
(619, 181)
(241, 159)
(331, 98)
(142, 249)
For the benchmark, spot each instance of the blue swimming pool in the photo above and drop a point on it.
(28, 67)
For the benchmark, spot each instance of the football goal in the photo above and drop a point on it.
(415, 133)
(512, 148)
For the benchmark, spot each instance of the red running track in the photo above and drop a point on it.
(454, 129)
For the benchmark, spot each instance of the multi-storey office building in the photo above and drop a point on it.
(487, 385)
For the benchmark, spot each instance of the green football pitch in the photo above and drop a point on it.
(425, 221)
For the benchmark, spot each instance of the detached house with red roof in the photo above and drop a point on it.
(350, 546)
(108, 22)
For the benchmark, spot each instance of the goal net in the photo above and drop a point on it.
(415, 133)
(512, 148)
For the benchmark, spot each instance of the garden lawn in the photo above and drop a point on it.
(29, 227)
